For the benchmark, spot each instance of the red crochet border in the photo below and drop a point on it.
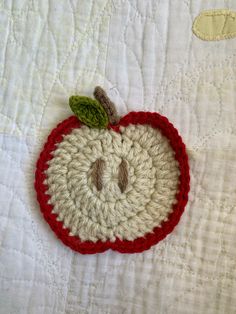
(139, 244)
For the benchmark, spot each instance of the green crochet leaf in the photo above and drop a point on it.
(89, 111)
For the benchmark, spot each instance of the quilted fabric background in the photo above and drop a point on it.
(145, 55)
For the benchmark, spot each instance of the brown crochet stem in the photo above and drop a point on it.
(107, 104)
(123, 175)
(97, 172)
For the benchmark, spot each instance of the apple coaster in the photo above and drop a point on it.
(108, 183)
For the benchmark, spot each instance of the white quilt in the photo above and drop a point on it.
(146, 57)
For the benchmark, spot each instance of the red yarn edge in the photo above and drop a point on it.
(140, 244)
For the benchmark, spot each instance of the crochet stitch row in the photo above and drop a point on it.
(107, 214)
(71, 126)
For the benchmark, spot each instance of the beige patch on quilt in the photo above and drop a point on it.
(215, 25)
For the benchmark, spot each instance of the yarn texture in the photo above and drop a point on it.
(122, 188)
(97, 172)
(89, 111)
(109, 210)
(123, 175)
(107, 104)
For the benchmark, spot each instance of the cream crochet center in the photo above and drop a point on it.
(153, 178)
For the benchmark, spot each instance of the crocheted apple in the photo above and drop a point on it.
(108, 183)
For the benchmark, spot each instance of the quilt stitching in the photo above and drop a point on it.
(189, 65)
